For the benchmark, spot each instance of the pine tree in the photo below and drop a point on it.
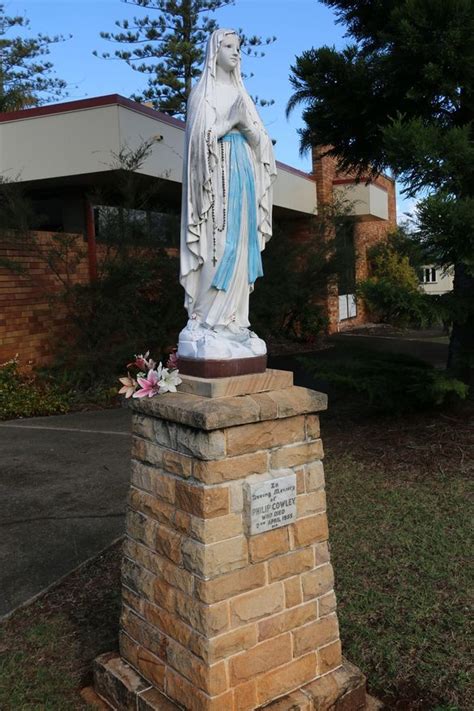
(169, 48)
(401, 96)
(26, 77)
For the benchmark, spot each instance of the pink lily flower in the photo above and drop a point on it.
(143, 362)
(172, 363)
(129, 386)
(150, 385)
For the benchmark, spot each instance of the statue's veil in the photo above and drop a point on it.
(200, 159)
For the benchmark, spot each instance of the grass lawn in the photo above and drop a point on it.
(398, 501)
(400, 531)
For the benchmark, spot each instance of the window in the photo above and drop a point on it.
(428, 275)
(140, 227)
(346, 258)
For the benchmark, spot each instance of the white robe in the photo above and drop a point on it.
(208, 106)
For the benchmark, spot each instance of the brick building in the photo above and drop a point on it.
(62, 153)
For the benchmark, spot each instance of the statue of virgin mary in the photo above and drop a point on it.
(226, 216)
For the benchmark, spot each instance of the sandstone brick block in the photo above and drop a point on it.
(210, 678)
(317, 582)
(153, 480)
(265, 656)
(268, 544)
(164, 594)
(311, 529)
(286, 678)
(236, 496)
(315, 635)
(142, 426)
(229, 643)
(287, 621)
(245, 696)
(209, 620)
(141, 476)
(168, 543)
(139, 580)
(151, 506)
(321, 553)
(293, 592)
(154, 700)
(141, 528)
(327, 604)
(156, 564)
(133, 600)
(143, 633)
(201, 501)
(176, 463)
(174, 627)
(297, 401)
(311, 503)
(230, 468)
(190, 441)
(329, 657)
(209, 530)
(267, 407)
(312, 427)
(151, 667)
(314, 476)
(128, 649)
(211, 415)
(285, 566)
(300, 480)
(161, 457)
(192, 699)
(213, 530)
(264, 435)
(296, 701)
(214, 559)
(257, 604)
(343, 688)
(295, 455)
(230, 585)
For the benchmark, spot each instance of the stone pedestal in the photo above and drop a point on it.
(216, 619)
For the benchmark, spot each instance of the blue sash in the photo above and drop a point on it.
(241, 178)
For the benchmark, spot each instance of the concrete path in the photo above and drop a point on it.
(430, 351)
(63, 489)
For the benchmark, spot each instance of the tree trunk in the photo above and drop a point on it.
(461, 344)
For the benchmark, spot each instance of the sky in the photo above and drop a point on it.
(297, 24)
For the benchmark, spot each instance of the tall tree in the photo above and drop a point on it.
(169, 48)
(401, 96)
(26, 77)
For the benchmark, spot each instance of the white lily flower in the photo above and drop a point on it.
(169, 381)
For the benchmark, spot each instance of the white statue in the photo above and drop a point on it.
(226, 216)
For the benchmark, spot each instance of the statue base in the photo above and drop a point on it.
(230, 367)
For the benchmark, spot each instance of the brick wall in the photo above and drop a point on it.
(31, 316)
(368, 232)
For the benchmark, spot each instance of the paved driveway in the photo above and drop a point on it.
(63, 489)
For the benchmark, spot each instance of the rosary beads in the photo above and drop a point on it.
(215, 227)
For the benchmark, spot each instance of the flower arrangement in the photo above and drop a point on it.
(146, 379)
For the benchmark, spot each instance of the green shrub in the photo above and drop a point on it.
(398, 303)
(25, 396)
(286, 301)
(392, 292)
(386, 382)
(136, 305)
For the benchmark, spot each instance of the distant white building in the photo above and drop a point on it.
(436, 280)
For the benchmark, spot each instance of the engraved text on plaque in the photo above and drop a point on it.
(271, 504)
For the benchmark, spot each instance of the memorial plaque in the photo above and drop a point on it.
(271, 504)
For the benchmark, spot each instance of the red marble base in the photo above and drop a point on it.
(222, 368)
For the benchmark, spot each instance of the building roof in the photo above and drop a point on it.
(80, 138)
